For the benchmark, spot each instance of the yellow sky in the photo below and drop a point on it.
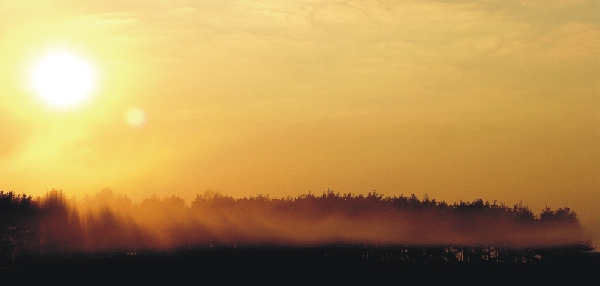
(461, 100)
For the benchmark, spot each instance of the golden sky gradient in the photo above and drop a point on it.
(461, 100)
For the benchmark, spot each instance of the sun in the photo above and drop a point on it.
(63, 80)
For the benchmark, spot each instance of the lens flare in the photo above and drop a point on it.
(135, 117)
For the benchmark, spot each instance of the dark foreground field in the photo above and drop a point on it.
(333, 263)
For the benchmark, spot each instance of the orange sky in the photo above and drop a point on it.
(457, 99)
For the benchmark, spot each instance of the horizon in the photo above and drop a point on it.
(264, 195)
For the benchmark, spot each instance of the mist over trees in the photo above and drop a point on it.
(112, 221)
(107, 221)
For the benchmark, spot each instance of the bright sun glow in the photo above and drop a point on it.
(63, 80)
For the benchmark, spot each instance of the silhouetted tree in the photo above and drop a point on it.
(18, 227)
(523, 214)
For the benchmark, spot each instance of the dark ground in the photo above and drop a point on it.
(318, 264)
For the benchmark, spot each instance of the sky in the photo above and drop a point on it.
(458, 100)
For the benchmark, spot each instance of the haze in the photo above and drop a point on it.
(455, 99)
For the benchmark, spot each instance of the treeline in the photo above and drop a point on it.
(107, 221)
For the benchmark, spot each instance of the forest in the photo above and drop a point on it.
(403, 225)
